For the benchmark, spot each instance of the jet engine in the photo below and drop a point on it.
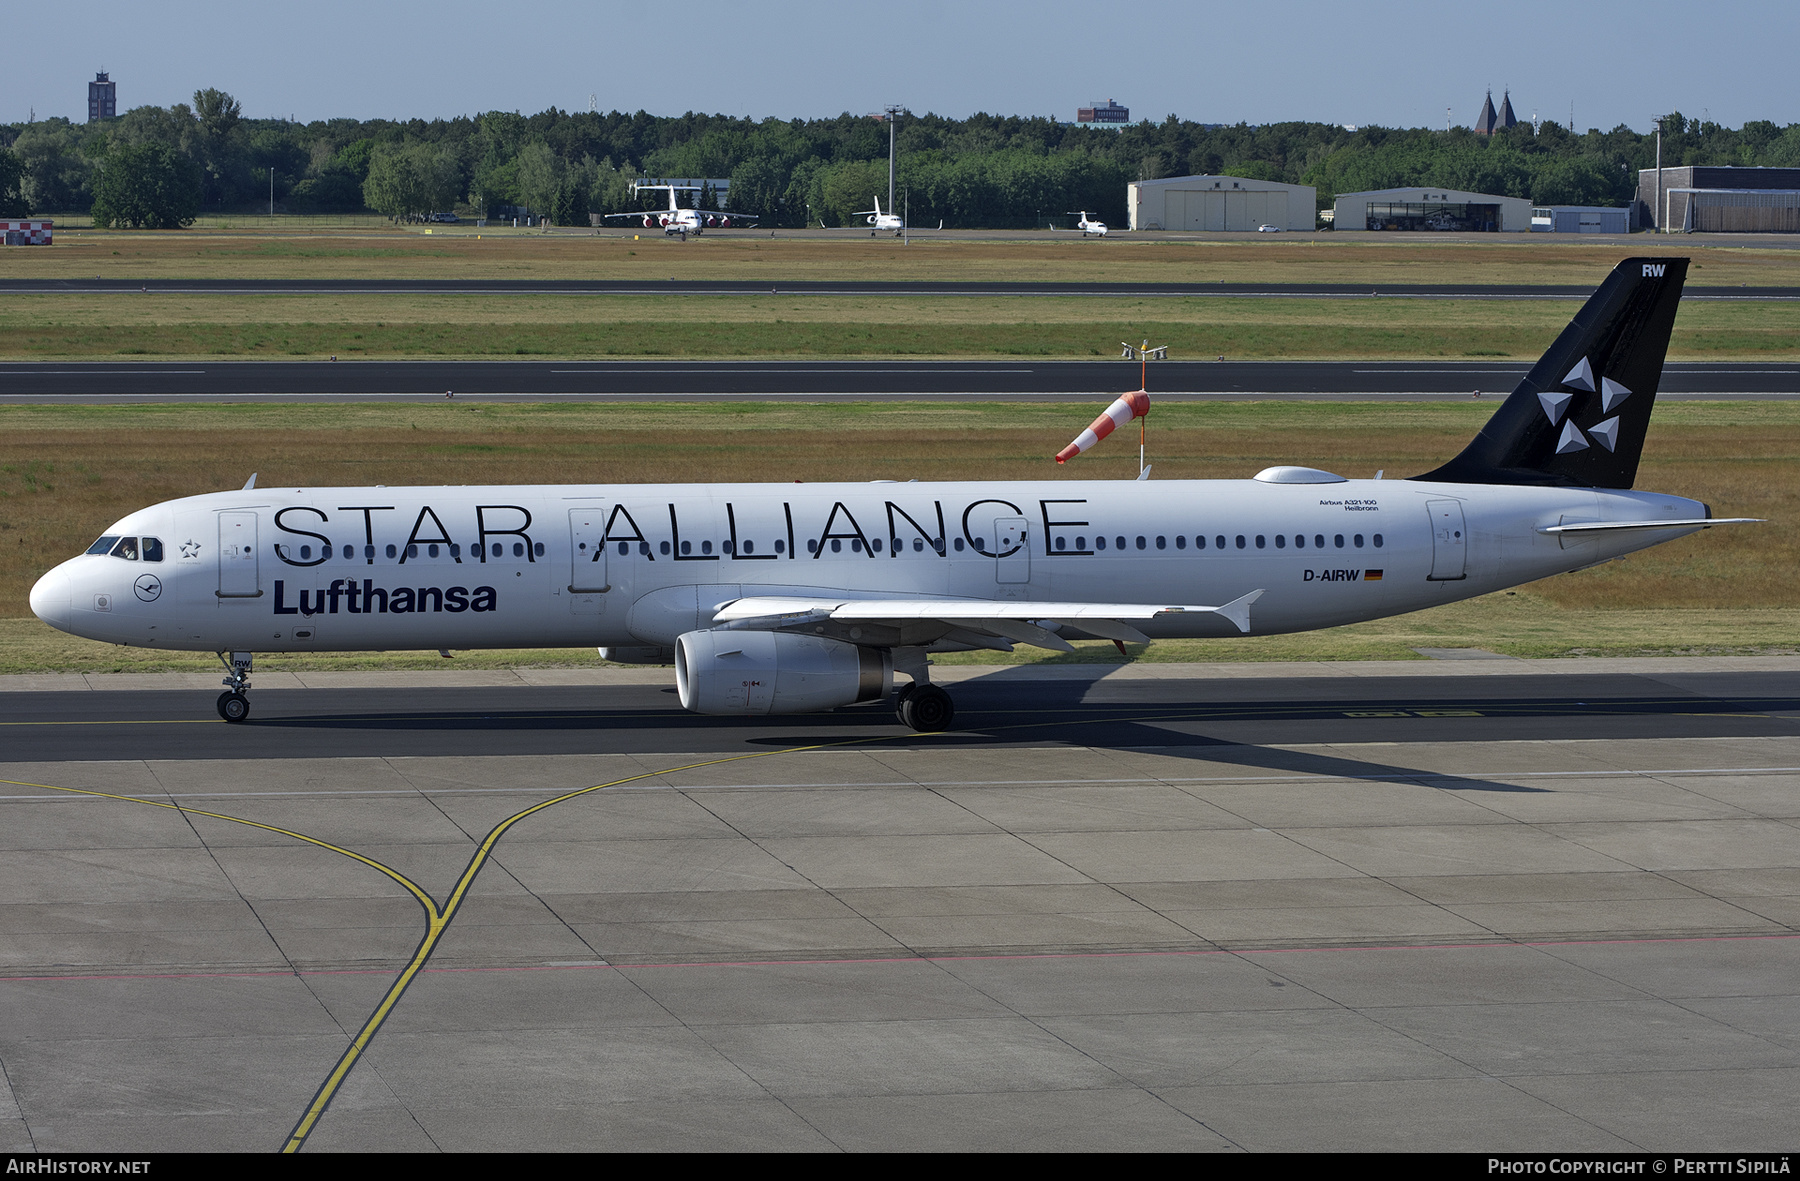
(649, 223)
(724, 223)
(753, 672)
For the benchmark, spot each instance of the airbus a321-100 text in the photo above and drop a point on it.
(787, 598)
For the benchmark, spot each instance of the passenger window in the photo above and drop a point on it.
(1081, 543)
(1099, 543)
(1318, 541)
(1219, 542)
(749, 547)
(981, 544)
(1240, 541)
(1378, 541)
(1061, 543)
(392, 552)
(152, 549)
(369, 552)
(1260, 543)
(127, 549)
(706, 547)
(499, 550)
(1200, 542)
(1162, 543)
(918, 545)
(518, 549)
(837, 545)
(305, 552)
(104, 545)
(412, 551)
(856, 545)
(1357, 540)
(781, 547)
(1181, 542)
(664, 547)
(1338, 541)
(959, 545)
(643, 549)
(1140, 541)
(455, 550)
(1280, 541)
(876, 544)
(687, 547)
(812, 547)
(1299, 541)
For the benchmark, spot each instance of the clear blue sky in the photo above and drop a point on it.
(1399, 62)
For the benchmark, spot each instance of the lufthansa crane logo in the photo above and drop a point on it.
(147, 587)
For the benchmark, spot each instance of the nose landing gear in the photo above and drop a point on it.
(234, 706)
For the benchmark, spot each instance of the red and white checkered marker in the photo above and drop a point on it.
(1124, 408)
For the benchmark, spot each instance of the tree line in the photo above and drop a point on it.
(162, 167)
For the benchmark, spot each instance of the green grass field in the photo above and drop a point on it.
(66, 472)
(133, 324)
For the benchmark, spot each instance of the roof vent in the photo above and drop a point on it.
(1298, 475)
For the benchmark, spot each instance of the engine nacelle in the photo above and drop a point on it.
(751, 672)
(649, 223)
(724, 223)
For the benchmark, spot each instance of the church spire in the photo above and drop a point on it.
(1506, 112)
(1484, 122)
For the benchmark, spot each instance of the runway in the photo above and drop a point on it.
(1477, 905)
(876, 380)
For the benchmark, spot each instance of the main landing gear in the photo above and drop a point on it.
(925, 708)
(234, 705)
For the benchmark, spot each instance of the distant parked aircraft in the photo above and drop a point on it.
(676, 220)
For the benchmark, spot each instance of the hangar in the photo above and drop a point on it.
(1220, 203)
(1581, 219)
(1720, 199)
(1432, 209)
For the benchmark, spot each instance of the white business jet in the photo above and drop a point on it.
(788, 598)
(1087, 225)
(676, 220)
(884, 221)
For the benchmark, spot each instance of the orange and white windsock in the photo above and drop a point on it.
(1124, 408)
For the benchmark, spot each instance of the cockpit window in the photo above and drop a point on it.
(152, 548)
(104, 545)
(127, 549)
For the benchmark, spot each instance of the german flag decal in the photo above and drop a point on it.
(1371, 576)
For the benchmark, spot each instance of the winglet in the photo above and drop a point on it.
(1238, 610)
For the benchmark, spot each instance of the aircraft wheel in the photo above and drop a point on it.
(900, 699)
(234, 707)
(928, 710)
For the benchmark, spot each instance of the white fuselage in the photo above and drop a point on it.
(275, 570)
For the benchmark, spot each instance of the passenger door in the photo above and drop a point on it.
(588, 582)
(1449, 543)
(1012, 550)
(238, 562)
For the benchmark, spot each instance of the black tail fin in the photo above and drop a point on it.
(1581, 414)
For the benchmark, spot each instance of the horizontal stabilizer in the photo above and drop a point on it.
(1616, 526)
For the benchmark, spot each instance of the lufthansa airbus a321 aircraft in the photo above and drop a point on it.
(786, 598)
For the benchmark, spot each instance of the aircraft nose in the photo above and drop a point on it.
(50, 599)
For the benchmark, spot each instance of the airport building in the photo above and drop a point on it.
(1106, 112)
(1443, 210)
(1580, 219)
(1720, 200)
(103, 98)
(1230, 203)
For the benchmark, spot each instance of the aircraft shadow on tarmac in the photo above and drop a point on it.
(996, 716)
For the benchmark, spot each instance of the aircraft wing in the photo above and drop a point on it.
(1006, 619)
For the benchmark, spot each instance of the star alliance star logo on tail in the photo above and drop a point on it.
(1556, 402)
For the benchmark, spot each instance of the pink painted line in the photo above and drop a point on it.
(914, 959)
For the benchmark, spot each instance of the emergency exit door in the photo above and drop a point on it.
(1012, 550)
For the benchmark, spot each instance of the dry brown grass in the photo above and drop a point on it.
(1303, 258)
(68, 472)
